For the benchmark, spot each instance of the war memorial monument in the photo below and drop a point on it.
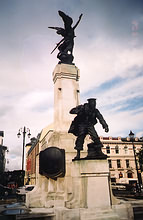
(72, 173)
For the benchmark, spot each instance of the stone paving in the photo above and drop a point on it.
(16, 210)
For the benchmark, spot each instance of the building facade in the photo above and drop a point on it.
(2, 153)
(121, 158)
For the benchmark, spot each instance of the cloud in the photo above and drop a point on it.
(14, 163)
(122, 122)
(4, 109)
(33, 110)
(107, 61)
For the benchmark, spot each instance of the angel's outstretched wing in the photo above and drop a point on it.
(66, 19)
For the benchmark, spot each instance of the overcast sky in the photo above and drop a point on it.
(108, 51)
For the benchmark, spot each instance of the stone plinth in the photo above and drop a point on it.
(91, 186)
(66, 95)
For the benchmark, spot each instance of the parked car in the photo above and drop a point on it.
(25, 189)
(5, 191)
(21, 191)
(118, 186)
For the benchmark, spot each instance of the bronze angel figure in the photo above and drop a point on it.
(65, 46)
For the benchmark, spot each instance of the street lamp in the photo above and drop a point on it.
(132, 139)
(23, 131)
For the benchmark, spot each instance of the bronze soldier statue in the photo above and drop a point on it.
(83, 124)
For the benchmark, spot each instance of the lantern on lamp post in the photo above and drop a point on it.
(23, 131)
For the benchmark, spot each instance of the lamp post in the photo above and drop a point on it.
(23, 131)
(132, 139)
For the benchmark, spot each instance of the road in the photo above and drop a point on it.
(137, 205)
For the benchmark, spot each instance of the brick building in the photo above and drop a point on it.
(32, 150)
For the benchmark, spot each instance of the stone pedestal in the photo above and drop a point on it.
(91, 185)
(91, 197)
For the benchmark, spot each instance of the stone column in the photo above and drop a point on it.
(66, 95)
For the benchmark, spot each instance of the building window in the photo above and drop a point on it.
(108, 149)
(130, 175)
(117, 149)
(118, 163)
(127, 164)
(126, 149)
(120, 175)
(110, 163)
(113, 180)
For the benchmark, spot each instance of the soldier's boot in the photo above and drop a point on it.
(78, 155)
